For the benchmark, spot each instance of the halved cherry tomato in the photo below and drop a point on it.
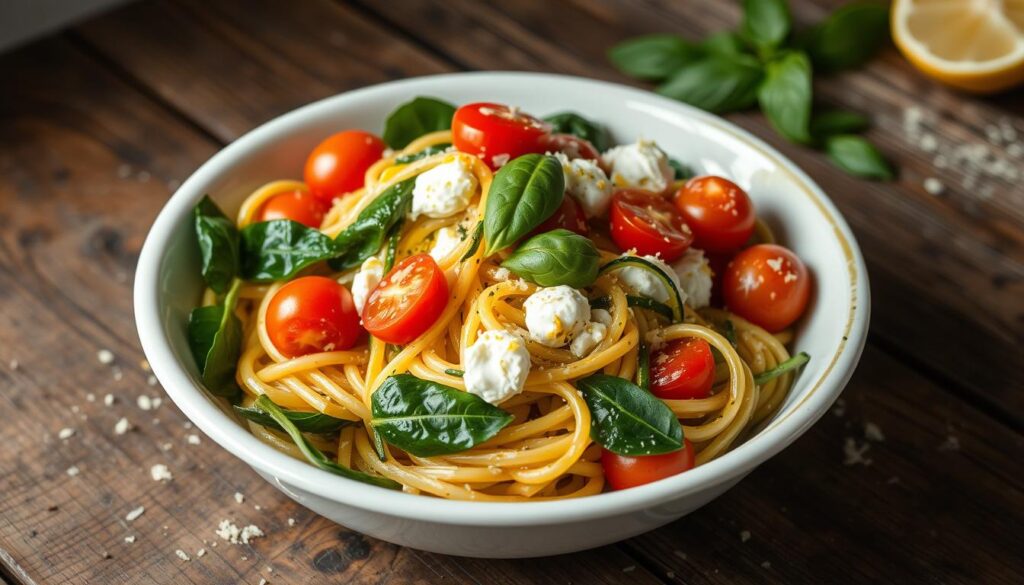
(572, 146)
(767, 285)
(338, 164)
(718, 211)
(683, 369)
(408, 300)
(300, 206)
(626, 471)
(646, 221)
(312, 314)
(496, 133)
(568, 216)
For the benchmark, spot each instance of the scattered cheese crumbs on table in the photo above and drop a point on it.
(679, 554)
(933, 186)
(840, 408)
(291, 522)
(134, 514)
(263, 581)
(73, 471)
(117, 373)
(670, 575)
(257, 507)
(200, 553)
(159, 472)
(950, 444)
(144, 402)
(744, 535)
(192, 439)
(629, 569)
(144, 365)
(108, 400)
(873, 432)
(182, 555)
(239, 498)
(90, 397)
(167, 446)
(105, 356)
(122, 426)
(230, 532)
(130, 539)
(854, 453)
(66, 433)
(13, 364)
(766, 565)
(151, 380)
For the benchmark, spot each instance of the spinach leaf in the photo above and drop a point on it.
(793, 362)
(717, 83)
(556, 257)
(766, 23)
(627, 420)
(367, 233)
(785, 96)
(428, 151)
(314, 455)
(524, 193)
(848, 37)
(857, 156)
(652, 57)
(280, 248)
(577, 125)
(215, 338)
(392, 249)
(832, 122)
(414, 119)
(218, 244)
(426, 418)
(305, 422)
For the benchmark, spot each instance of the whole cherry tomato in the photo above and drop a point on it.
(496, 133)
(338, 164)
(312, 314)
(627, 471)
(767, 285)
(720, 214)
(300, 206)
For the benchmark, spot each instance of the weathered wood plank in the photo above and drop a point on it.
(89, 162)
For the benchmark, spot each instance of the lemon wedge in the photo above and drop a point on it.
(976, 45)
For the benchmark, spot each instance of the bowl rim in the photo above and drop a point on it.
(724, 470)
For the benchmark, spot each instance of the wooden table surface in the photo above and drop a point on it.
(100, 123)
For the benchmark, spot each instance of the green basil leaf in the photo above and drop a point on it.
(857, 156)
(766, 23)
(280, 248)
(426, 418)
(577, 125)
(474, 245)
(652, 57)
(218, 245)
(832, 122)
(428, 151)
(215, 338)
(411, 120)
(716, 83)
(314, 455)
(524, 193)
(723, 43)
(556, 257)
(627, 420)
(680, 170)
(848, 37)
(793, 362)
(305, 422)
(367, 233)
(785, 96)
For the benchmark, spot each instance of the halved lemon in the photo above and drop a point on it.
(977, 45)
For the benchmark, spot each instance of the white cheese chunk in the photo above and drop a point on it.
(496, 366)
(444, 190)
(587, 182)
(694, 274)
(555, 314)
(593, 333)
(368, 277)
(643, 282)
(446, 240)
(641, 165)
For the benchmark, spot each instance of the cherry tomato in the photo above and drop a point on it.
(767, 285)
(685, 368)
(312, 314)
(568, 216)
(718, 211)
(572, 146)
(300, 206)
(407, 301)
(338, 165)
(496, 133)
(646, 221)
(625, 471)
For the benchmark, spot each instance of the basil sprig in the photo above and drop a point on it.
(765, 63)
(305, 422)
(556, 257)
(365, 236)
(790, 364)
(524, 193)
(280, 248)
(577, 125)
(426, 418)
(628, 420)
(215, 338)
(414, 119)
(314, 455)
(218, 245)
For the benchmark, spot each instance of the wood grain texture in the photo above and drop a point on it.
(103, 124)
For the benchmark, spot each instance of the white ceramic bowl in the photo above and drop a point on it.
(168, 285)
